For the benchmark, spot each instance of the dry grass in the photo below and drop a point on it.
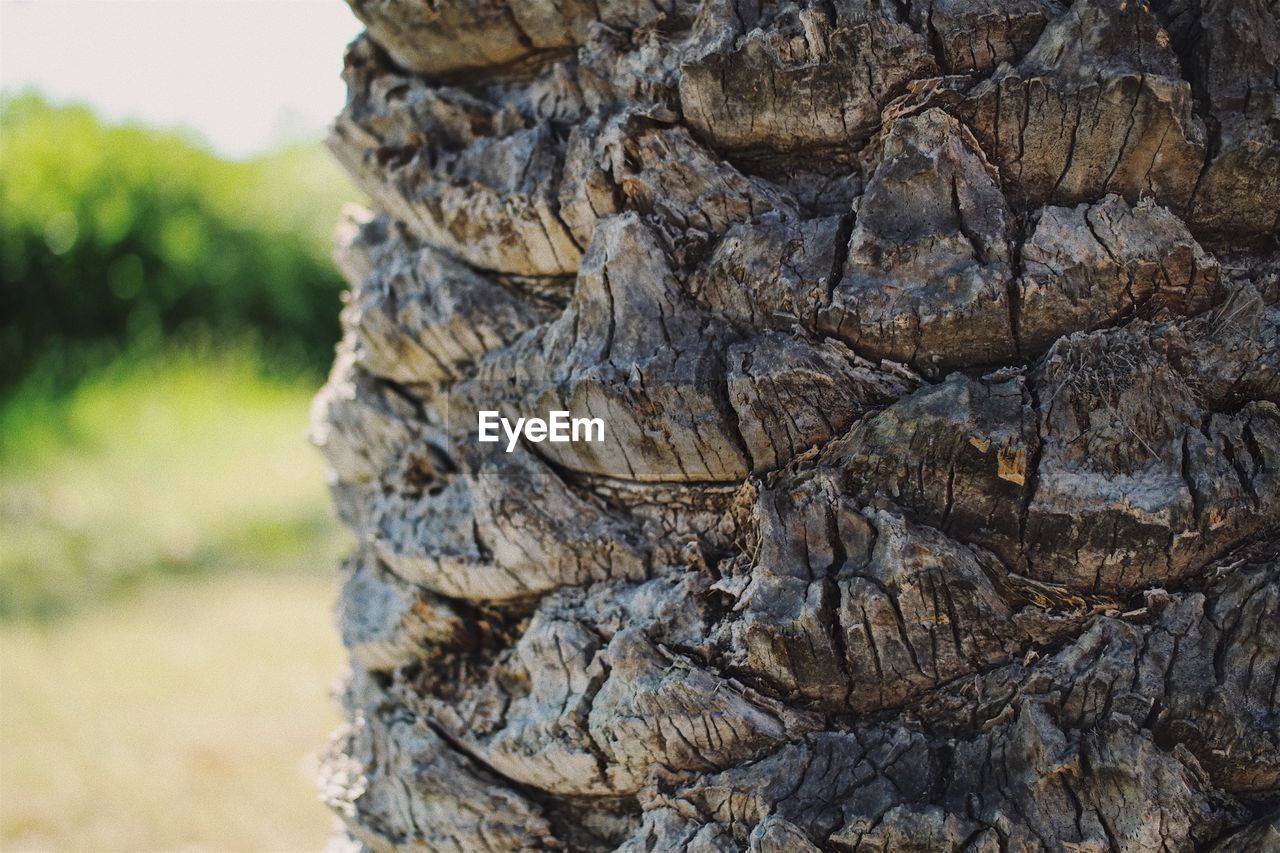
(185, 718)
(167, 564)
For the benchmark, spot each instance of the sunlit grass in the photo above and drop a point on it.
(187, 717)
(196, 464)
(167, 555)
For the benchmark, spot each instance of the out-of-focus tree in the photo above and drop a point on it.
(115, 238)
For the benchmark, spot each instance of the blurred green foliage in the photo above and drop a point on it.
(190, 464)
(119, 239)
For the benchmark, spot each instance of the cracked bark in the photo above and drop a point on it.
(938, 345)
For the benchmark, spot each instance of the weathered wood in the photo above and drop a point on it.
(938, 345)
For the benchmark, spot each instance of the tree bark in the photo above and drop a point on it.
(937, 345)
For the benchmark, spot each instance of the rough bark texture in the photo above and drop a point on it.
(939, 351)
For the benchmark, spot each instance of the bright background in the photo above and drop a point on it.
(247, 75)
(167, 309)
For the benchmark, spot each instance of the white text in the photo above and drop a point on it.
(558, 428)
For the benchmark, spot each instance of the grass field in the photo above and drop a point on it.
(167, 557)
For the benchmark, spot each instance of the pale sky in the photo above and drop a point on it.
(243, 74)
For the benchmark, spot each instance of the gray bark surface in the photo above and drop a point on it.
(939, 351)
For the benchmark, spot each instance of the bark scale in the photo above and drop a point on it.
(938, 349)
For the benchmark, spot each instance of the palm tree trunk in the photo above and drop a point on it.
(936, 348)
